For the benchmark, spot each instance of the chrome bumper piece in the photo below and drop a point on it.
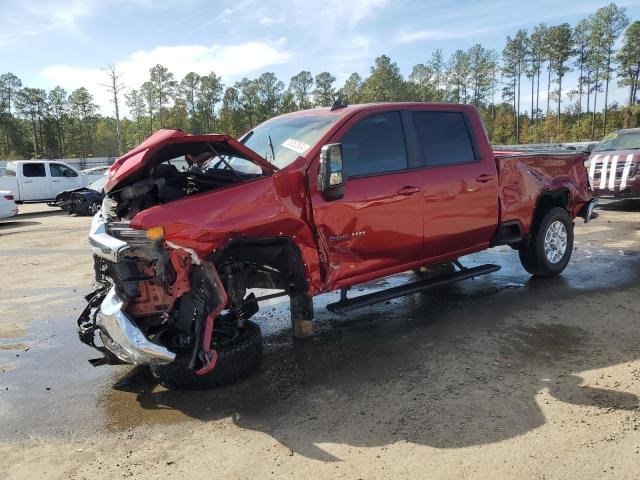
(101, 243)
(124, 339)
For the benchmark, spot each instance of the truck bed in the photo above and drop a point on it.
(523, 176)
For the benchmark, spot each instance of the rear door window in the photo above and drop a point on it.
(374, 145)
(33, 170)
(443, 138)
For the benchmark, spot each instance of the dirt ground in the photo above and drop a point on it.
(503, 376)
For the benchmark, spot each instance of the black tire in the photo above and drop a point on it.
(93, 207)
(532, 255)
(234, 362)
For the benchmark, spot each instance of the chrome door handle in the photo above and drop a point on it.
(484, 178)
(408, 190)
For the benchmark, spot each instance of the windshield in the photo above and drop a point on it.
(283, 139)
(99, 184)
(619, 141)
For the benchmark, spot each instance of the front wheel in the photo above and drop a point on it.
(549, 248)
(239, 353)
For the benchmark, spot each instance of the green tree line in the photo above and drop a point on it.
(602, 49)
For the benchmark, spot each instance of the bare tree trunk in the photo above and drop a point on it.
(580, 82)
(559, 104)
(35, 136)
(533, 83)
(538, 102)
(588, 93)
(515, 111)
(518, 111)
(114, 86)
(595, 105)
(549, 88)
(606, 94)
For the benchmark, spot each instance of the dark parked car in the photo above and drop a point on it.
(83, 200)
(614, 165)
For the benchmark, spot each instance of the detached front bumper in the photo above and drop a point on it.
(122, 338)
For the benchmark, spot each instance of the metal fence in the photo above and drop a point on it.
(79, 163)
(578, 146)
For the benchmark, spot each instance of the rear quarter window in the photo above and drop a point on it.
(443, 138)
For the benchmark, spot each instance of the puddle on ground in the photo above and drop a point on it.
(51, 389)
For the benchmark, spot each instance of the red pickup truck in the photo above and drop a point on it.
(307, 203)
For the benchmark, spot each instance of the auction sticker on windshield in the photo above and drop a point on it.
(295, 145)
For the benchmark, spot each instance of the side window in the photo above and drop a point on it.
(374, 145)
(443, 138)
(33, 170)
(59, 170)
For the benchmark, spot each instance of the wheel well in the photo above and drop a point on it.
(548, 200)
(272, 262)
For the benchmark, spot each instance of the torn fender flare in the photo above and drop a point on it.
(587, 212)
(207, 356)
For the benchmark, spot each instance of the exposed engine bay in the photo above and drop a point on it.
(164, 304)
(167, 183)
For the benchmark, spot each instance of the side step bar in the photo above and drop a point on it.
(348, 304)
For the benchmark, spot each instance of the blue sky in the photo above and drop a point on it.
(65, 42)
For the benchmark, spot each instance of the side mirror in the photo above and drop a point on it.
(330, 177)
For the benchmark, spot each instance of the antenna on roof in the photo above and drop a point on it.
(337, 105)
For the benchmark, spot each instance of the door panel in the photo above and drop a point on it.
(63, 178)
(36, 184)
(374, 226)
(378, 222)
(460, 212)
(459, 183)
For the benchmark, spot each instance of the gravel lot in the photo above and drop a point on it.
(503, 376)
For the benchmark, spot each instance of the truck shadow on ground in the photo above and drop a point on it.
(11, 224)
(625, 205)
(462, 366)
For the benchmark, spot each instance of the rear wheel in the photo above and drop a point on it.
(239, 353)
(549, 248)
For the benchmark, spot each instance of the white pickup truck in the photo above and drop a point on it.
(35, 181)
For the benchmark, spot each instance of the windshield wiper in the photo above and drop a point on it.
(273, 153)
(222, 159)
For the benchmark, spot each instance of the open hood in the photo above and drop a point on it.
(167, 144)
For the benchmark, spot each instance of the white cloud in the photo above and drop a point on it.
(35, 17)
(266, 21)
(354, 11)
(229, 61)
(434, 34)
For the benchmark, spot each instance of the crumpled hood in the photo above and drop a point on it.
(166, 144)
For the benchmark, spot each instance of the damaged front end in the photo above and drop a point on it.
(152, 302)
(172, 274)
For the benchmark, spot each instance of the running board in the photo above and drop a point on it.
(349, 304)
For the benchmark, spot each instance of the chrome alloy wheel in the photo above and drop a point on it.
(555, 242)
